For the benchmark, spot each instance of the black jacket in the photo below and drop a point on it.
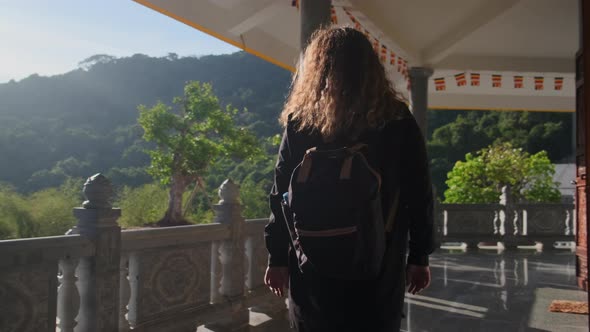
(403, 163)
(321, 304)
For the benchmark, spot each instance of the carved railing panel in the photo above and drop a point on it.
(29, 282)
(163, 279)
(29, 298)
(512, 224)
(168, 280)
(548, 219)
(462, 219)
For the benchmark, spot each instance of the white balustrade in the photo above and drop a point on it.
(173, 278)
(68, 298)
(215, 281)
(124, 293)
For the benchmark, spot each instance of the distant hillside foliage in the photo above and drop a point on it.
(85, 121)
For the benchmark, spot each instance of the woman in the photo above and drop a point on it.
(342, 95)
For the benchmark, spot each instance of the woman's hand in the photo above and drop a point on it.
(277, 279)
(417, 278)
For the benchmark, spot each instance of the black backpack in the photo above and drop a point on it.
(334, 215)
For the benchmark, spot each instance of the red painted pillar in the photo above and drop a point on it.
(583, 145)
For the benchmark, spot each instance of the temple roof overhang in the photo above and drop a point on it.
(522, 52)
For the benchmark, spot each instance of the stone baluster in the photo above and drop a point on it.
(133, 277)
(497, 222)
(125, 293)
(68, 298)
(257, 260)
(574, 223)
(438, 220)
(515, 223)
(228, 211)
(524, 231)
(502, 219)
(98, 276)
(568, 221)
(85, 284)
(254, 274)
(215, 273)
(445, 228)
(508, 214)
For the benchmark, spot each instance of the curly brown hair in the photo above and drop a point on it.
(341, 87)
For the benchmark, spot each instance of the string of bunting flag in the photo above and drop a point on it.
(387, 55)
(396, 63)
(538, 83)
(392, 59)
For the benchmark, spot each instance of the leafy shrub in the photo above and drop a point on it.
(480, 178)
(142, 205)
(51, 211)
(15, 220)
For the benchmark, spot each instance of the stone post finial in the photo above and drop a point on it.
(231, 256)
(98, 275)
(506, 195)
(229, 192)
(98, 192)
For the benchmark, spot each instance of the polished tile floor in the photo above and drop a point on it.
(490, 291)
(487, 291)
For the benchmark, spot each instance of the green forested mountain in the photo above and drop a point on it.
(85, 121)
(54, 131)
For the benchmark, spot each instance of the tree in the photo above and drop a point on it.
(91, 114)
(96, 59)
(452, 134)
(189, 140)
(480, 178)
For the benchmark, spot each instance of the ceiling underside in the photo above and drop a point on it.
(529, 38)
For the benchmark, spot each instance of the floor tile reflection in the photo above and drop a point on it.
(509, 291)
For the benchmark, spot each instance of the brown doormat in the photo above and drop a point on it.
(572, 307)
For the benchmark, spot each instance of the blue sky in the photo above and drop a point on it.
(51, 36)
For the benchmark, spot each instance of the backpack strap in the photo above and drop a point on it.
(347, 164)
(291, 229)
(305, 167)
(357, 147)
(346, 168)
(391, 218)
